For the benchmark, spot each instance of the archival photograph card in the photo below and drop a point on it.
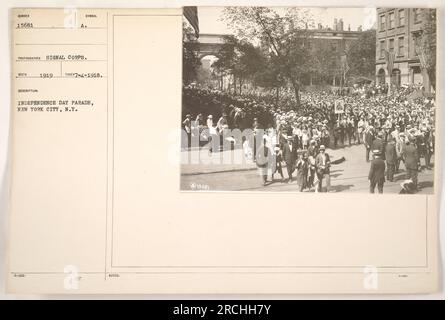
(223, 150)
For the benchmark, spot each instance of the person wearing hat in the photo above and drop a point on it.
(256, 133)
(289, 152)
(369, 139)
(400, 149)
(278, 159)
(302, 170)
(187, 124)
(322, 167)
(378, 144)
(391, 159)
(212, 132)
(222, 123)
(376, 175)
(264, 160)
(429, 147)
(199, 121)
(337, 132)
(411, 159)
(360, 129)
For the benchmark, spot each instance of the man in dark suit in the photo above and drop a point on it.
(411, 158)
(377, 172)
(322, 165)
(289, 152)
(391, 159)
(369, 138)
(378, 144)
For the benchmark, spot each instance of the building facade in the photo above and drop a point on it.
(398, 31)
(339, 40)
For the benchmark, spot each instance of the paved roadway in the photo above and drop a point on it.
(348, 176)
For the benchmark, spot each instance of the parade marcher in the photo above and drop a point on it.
(342, 126)
(255, 129)
(278, 160)
(411, 158)
(210, 123)
(289, 156)
(312, 176)
(312, 150)
(222, 125)
(198, 121)
(366, 110)
(322, 164)
(369, 139)
(187, 123)
(337, 133)
(325, 136)
(247, 150)
(376, 175)
(360, 130)
(378, 144)
(391, 159)
(212, 132)
(429, 148)
(302, 170)
(350, 129)
(400, 149)
(264, 159)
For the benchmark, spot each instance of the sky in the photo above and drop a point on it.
(209, 18)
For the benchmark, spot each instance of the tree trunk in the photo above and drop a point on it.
(278, 95)
(234, 84)
(296, 87)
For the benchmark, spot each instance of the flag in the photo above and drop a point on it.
(389, 61)
(422, 57)
(344, 64)
(191, 14)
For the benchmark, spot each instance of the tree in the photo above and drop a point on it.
(190, 59)
(427, 45)
(361, 55)
(238, 58)
(324, 61)
(284, 36)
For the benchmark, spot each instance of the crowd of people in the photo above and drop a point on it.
(396, 128)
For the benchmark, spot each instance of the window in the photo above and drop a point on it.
(382, 22)
(416, 15)
(416, 41)
(381, 76)
(391, 45)
(401, 17)
(401, 50)
(392, 20)
(382, 49)
(396, 77)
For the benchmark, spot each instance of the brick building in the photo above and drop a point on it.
(398, 31)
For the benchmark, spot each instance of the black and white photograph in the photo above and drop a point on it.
(319, 100)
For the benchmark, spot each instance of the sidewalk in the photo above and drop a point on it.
(200, 161)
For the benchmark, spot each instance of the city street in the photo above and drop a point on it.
(349, 176)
